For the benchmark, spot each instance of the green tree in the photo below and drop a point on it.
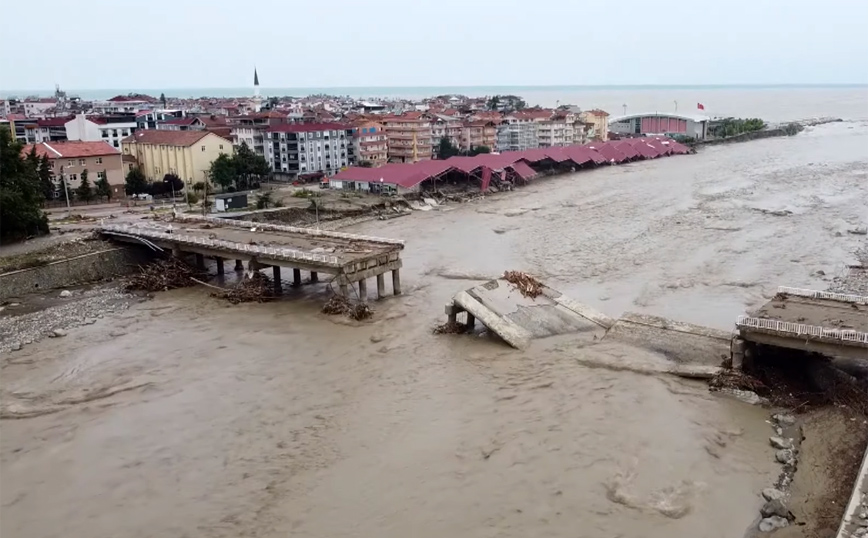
(199, 186)
(46, 178)
(136, 182)
(103, 189)
(264, 200)
(84, 191)
(493, 103)
(222, 171)
(477, 150)
(446, 148)
(163, 99)
(21, 193)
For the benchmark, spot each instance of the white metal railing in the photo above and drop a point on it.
(279, 253)
(291, 229)
(813, 294)
(798, 329)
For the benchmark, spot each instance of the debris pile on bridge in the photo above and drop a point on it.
(338, 304)
(526, 284)
(256, 289)
(162, 275)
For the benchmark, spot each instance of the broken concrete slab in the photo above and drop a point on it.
(684, 343)
(517, 319)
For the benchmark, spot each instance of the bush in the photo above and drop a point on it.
(192, 197)
(303, 193)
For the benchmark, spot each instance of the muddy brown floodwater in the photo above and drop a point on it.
(187, 417)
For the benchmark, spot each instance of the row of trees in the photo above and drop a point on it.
(137, 183)
(735, 126)
(242, 171)
(505, 103)
(22, 191)
(447, 149)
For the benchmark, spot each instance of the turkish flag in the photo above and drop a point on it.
(700, 106)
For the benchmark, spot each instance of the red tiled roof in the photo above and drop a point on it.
(136, 98)
(179, 121)
(165, 138)
(306, 127)
(72, 149)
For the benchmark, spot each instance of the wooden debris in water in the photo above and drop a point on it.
(162, 275)
(526, 284)
(338, 304)
(256, 289)
(450, 327)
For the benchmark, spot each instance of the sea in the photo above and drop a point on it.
(772, 103)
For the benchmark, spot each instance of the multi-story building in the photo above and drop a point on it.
(51, 129)
(600, 120)
(38, 107)
(517, 133)
(410, 137)
(71, 158)
(188, 154)
(111, 128)
(125, 103)
(305, 148)
(25, 130)
(370, 143)
(445, 126)
(251, 129)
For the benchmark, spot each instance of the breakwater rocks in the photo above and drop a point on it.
(787, 129)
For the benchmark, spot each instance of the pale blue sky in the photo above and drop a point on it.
(164, 44)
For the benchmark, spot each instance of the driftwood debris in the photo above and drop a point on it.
(256, 289)
(526, 284)
(338, 304)
(162, 275)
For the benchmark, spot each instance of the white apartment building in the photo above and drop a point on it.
(517, 134)
(298, 149)
(111, 129)
(38, 107)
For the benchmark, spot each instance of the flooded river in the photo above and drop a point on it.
(272, 420)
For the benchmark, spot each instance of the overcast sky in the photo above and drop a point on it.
(164, 44)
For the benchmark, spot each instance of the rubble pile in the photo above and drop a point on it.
(338, 304)
(450, 327)
(526, 284)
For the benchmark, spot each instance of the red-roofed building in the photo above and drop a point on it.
(188, 154)
(294, 149)
(370, 142)
(73, 157)
(600, 120)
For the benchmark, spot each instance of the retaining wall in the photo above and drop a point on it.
(72, 271)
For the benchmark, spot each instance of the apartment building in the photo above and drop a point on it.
(251, 129)
(600, 121)
(111, 128)
(445, 126)
(51, 129)
(410, 137)
(71, 158)
(38, 107)
(305, 148)
(370, 142)
(517, 133)
(188, 154)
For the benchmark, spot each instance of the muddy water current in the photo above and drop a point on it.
(272, 420)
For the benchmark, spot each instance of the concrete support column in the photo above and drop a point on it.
(471, 321)
(176, 251)
(296, 278)
(239, 265)
(278, 286)
(220, 270)
(344, 290)
(738, 349)
(381, 286)
(363, 290)
(314, 277)
(200, 261)
(396, 281)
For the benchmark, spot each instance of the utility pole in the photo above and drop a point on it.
(65, 191)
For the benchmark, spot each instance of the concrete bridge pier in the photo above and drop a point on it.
(344, 290)
(381, 286)
(220, 269)
(176, 251)
(296, 278)
(278, 286)
(363, 290)
(314, 277)
(239, 265)
(471, 321)
(200, 262)
(738, 350)
(396, 281)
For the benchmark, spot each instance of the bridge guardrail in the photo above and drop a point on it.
(813, 294)
(799, 329)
